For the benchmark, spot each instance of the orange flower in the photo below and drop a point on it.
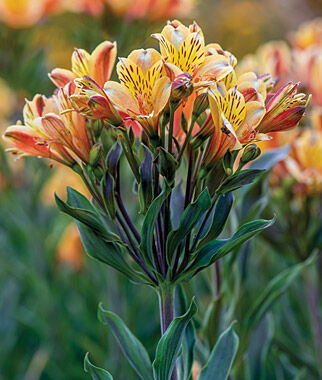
(48, 133)
(308, 35)
(151, 10)
(284, 109)
(70, 250)
(24, 13)
(304, 163)
(98, 65)
(144, 89)
(91, 101)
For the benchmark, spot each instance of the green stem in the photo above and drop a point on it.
(166, 305)
(187, 139)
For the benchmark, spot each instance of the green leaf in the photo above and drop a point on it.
(276, 287)
(89, 218)
(102, 247)
(96, 373)
(131, 347)
(211, 322)
(168, 165)
(221, 357)
(238, 180)
(170, 343)
(189, 338)
(77, 201)
(221, 214)
(110, 253)
(216, 249)
(189, 219)
(149, 224)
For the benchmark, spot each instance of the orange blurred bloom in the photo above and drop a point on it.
(70, 249)
(308, 35)
(150, 9)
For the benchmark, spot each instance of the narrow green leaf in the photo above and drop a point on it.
(276, 287)
(149, 224)
(221, 357)
(221, 214)
(170, 343)
(189, 219)
(96, 373)
(189, 339)
(216, 249)
(78, 201)
(89, 218)
(239, 179)
(131, 347)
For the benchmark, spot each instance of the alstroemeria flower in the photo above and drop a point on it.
(52, 129)
(234, 121)
(30, 139)
(183, 51)
(91, 101)
(144, 90)
(284, 109)
(98, 65)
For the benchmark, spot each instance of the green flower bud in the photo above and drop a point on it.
(251, 152)
(168, 165)
(200, 105)
(95, 154)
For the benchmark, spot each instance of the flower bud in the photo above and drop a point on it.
(168, 166)
(182, 87)
(200, 105)
(251, 152)
(95, 154)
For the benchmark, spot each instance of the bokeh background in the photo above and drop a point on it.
(49, 288)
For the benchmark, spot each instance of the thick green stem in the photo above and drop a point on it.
(166, 305)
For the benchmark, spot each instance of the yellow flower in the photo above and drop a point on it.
(234, 121)
(98, 65)
(144, 89)
(183, 51)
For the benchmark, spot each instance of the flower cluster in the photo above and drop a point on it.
(184, 103)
